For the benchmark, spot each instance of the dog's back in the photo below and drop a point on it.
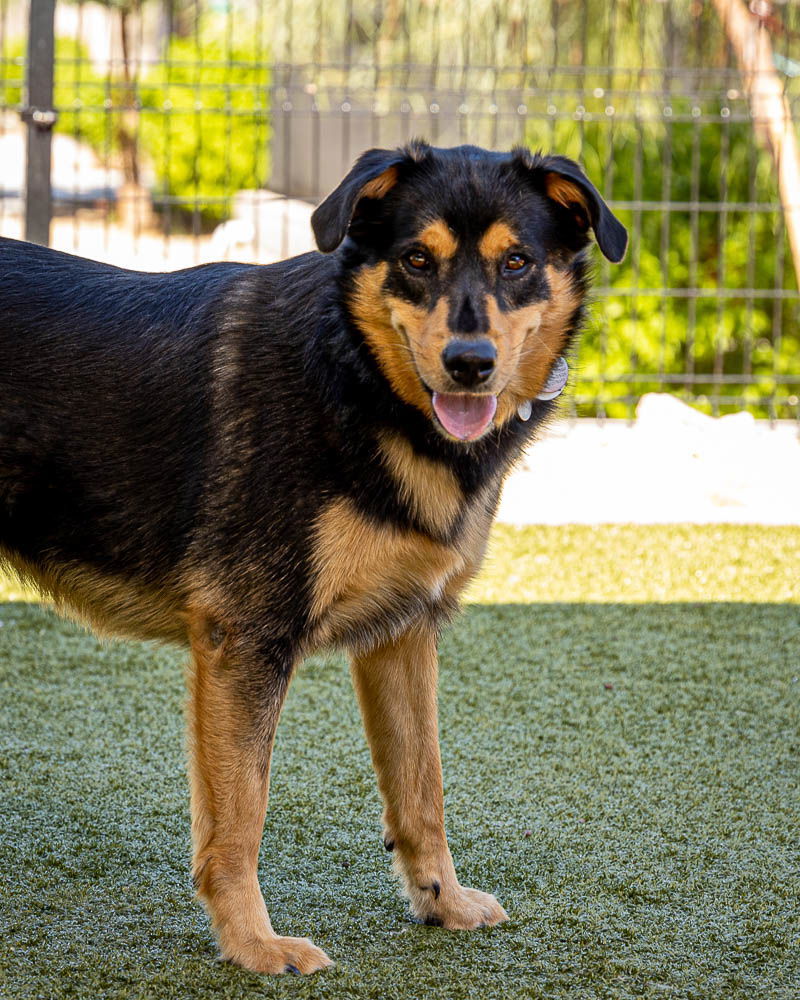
(104, 409)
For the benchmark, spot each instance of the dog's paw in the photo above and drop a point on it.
(276, 955)
(462, 909)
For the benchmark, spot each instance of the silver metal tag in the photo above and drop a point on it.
(556, 381)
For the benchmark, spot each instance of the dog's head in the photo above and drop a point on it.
(467, 278)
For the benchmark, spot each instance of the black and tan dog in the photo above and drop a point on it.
(262, 461)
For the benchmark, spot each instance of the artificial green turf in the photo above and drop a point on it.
(620, 714)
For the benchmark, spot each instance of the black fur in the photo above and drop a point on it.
(150, 422)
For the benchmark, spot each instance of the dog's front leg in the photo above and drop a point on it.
(236, 694)
(396, 687)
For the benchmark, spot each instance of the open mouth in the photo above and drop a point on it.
(464, 416)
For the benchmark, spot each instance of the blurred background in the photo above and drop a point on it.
(161, 133)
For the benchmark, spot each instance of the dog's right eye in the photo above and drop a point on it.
(515, 263)
(416, 260)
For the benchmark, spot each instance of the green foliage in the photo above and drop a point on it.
(672, 306)
(202, 115)
(12, 74)
(80, 94)
(204, 123)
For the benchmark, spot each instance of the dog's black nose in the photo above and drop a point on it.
(469, 362)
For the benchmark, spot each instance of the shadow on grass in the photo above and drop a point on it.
(625, 777)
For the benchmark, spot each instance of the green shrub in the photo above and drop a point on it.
(712, 335)
(205, 124)
(12, 74)
(80, 94)
(202, 118)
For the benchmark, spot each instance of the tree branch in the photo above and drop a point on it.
(772, 114)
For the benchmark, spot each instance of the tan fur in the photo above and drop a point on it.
(408, 342)
(362, 567)
(427, 334)
(381, 185)
(525, 339)
(428, 488)
(359, 567)
(396, 688)
(497, 239)
(229, 778)
(474, 537)
(565, 192)
(372, 312)
(536, 335)
(111, 605)
(439, 239)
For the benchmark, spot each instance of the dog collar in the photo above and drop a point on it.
(553, 387)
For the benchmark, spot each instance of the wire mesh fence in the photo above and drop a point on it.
(190, 130)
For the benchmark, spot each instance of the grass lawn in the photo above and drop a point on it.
(620, 715)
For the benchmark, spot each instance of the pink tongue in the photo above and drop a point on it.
(465, 417)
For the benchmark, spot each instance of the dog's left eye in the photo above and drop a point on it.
(416, 260)
(515, 263)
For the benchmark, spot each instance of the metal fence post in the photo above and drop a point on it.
(40, 118)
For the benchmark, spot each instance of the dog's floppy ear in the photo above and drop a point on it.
(563, 181)
(374, 174)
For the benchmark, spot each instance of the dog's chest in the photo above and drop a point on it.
(372, 580)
